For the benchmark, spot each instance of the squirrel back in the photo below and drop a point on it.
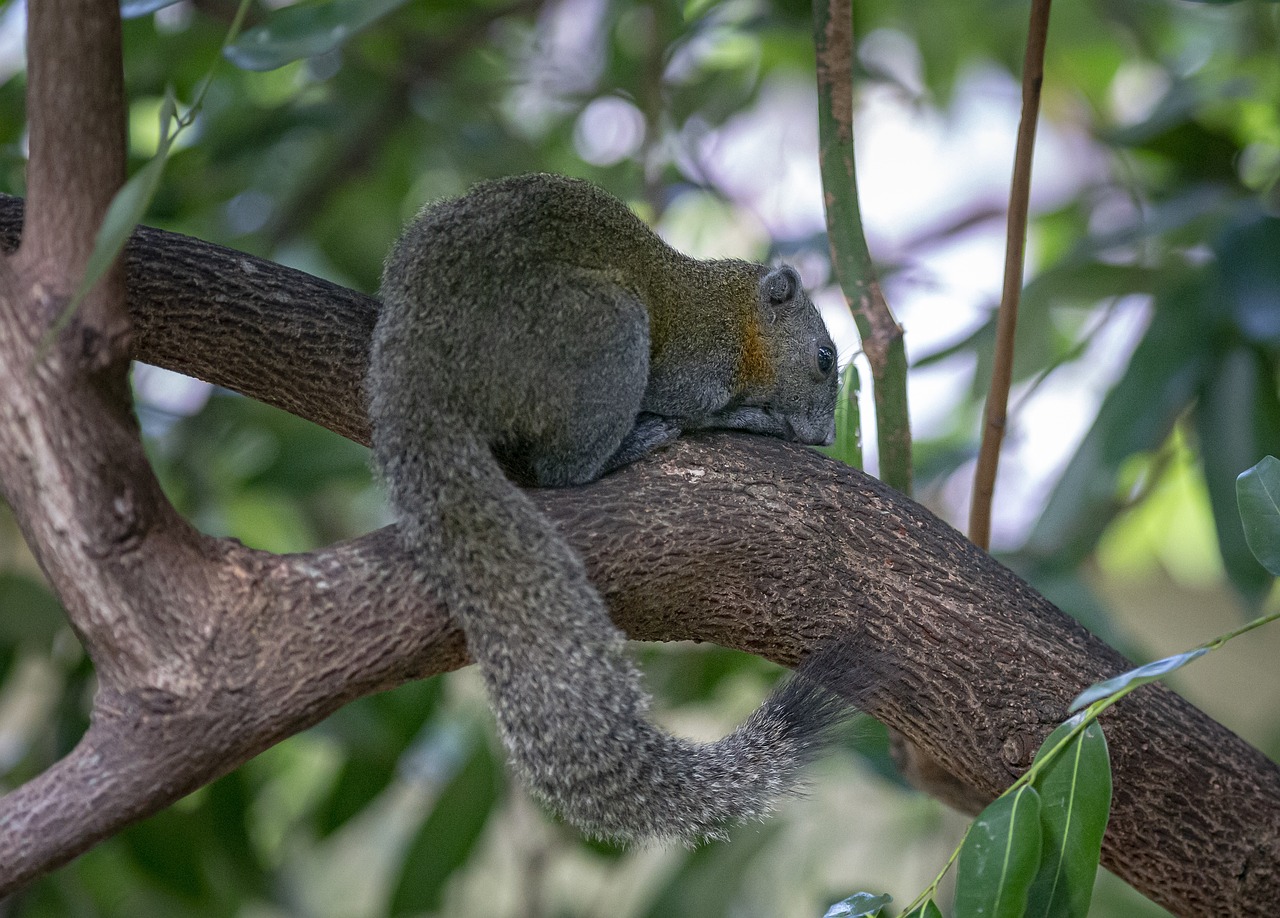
(536, 330)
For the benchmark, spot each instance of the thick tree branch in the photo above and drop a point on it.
(743, 541)
(287, 642)
(69, 399)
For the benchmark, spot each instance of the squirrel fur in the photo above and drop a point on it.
(536, 331)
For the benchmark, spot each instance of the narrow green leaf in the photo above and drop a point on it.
(450, 834)
(708, 881)
(1149, 672)
(123, 216)
(848, 445)
(124, 213)
(927, 909)
(1075, 801)
(999, 858)
(305, 30)
(859, 905)
(1086, 280)
(1258, 494)
(130, 203)
(1238, 420)
(982, 339)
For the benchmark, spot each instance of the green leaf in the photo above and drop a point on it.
(168, 115)
(848, 445)
(927, 909)
(999, 857)
(1075, 801)
(123, 216)
(448, 836)
(1085, 280)
(1166, 371)
(1238, 420)
(124, 213)
(1249, 277)
(1258, 494)
(1149, 672)
(982, 339)
(305, 30)
(375, 732)
(859, 905)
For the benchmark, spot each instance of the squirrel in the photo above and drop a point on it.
(536, 332)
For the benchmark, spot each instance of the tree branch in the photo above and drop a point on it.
(69, 401)
(75, 104)
(976, 667)
(879, 331)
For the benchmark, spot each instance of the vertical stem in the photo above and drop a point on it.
(881, 334)
(995, 416)
(75, 109)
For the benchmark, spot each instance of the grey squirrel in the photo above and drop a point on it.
(536, 331)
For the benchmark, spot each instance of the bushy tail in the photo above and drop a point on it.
(568, 700)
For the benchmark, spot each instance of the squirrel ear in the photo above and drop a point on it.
(781, 285)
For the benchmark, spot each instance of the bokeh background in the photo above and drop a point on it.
(1146, 381)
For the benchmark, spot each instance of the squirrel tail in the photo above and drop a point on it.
(569, 703)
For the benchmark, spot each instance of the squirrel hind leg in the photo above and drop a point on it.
(574, 459)
(569, 439)
(651, 432)
(585, 459)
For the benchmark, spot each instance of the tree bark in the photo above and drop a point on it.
(743, 541)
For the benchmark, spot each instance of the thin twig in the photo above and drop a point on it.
(984, 481)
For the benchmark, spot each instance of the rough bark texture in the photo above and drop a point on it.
(744, 541)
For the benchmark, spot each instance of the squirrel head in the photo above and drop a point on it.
(787, 379)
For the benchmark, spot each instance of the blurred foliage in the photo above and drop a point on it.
(396, 805)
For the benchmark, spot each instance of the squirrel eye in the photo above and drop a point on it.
(826, 359)
(783, 284)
